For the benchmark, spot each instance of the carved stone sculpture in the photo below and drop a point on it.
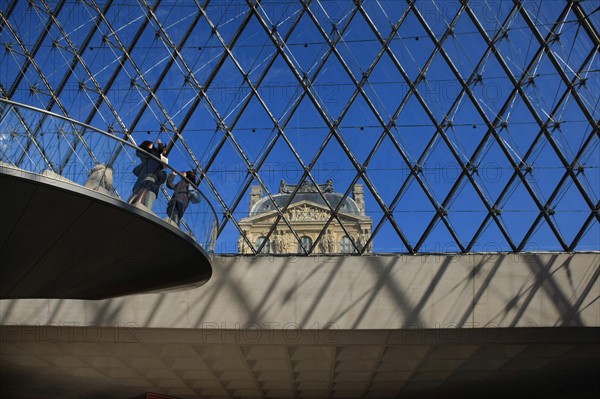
(329, 242)
(100, 179)
(362, 240)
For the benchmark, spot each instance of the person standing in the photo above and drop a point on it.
(150, 174)
(183, 194)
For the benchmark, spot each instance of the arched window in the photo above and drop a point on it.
(346, 246)
(306, 243)
(267, 248)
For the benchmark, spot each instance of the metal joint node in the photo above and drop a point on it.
(526, 168)
(554, 38)
(473, 168)
(450, 31)
(529, 81)
(305, 79)
(556, 125)
(577, 168)
(503, 35)
(477, 79)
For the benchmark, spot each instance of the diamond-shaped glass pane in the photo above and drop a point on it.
(430, 125)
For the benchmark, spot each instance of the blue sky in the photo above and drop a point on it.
(332, 87)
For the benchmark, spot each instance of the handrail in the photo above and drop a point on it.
(203, 231)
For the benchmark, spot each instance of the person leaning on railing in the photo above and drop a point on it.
(183, 194)
(150, 174)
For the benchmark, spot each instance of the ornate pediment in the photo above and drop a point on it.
(307, 213)
(304, 211)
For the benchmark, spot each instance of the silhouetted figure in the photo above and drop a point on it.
(150, 174)
(183, 194)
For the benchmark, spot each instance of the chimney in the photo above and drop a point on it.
(359, 197)
(255, 196)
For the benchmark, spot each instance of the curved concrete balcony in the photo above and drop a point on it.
(67, 229)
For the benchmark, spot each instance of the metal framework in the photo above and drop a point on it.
(393, 94)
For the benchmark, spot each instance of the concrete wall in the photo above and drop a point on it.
(374, 292)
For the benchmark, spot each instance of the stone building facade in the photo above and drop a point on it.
(307, 215)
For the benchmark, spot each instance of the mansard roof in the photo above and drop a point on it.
(306, 192)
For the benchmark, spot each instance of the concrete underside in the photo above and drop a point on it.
(381, 326)
(60, 240)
